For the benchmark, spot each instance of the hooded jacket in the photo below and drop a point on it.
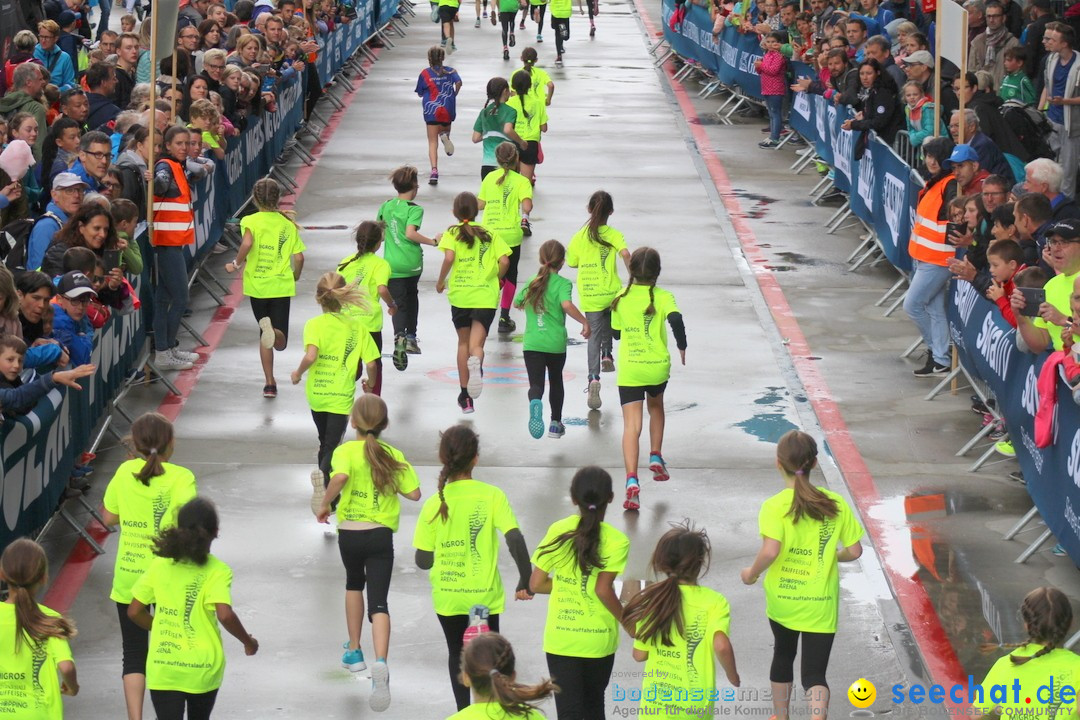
(20, 101)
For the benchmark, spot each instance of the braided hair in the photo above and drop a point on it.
(368, 236)
(458, 447)
(644, 270)
(496, 88)
(488, 663)
(1047, 617)
(506, 155)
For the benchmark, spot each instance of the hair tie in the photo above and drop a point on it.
(464, 222)
(592, 507)
(493, 672)
(153, 451)
(369, 432)
(799, 472)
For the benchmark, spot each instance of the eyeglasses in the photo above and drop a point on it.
(1061, 241)
(97, 278)
(208, 66)
(189, 36)
(81, 300)
(116, 185)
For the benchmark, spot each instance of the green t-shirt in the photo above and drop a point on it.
(802, 586)
(680, 680)
(561, 9)
(508, 6)
(578, 624)
(1058, 293)
(268, 266)
(185, 642)
(359, 500)
(144, 510)
(406, 258)
(466, 547)
(546, 332)
(597, 267)
(502, 209)
(530, 117)
(1060, 664)
(371, 272)
(492, 711)
(29, 685)
(540, 78)
(491, 126)
(643, 352)
(474, 277)
(344, 342)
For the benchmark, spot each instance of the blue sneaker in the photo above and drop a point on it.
(658, 468)
(82, 471)
(633, 491)
(1058, 550)
(557, 429)
(536, 418)
(353, 660)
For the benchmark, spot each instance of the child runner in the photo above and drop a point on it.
(644, 362)
(594, 10)
(561, 11)
(531, 122)
(371, 274)
(456, 540)
(577, 563)
(335, 343)
(438, 87)
(473, 263)
(542, 85)
(477, 23)
(488, 667)
(368, 474)
(506, 199)
(272, 244)
(678, 627)
(143, 498)
(34, 638)
(799, 524)
(507, 12)
(495, 124)
(592, 251)
(536, 10)
(191, 591)
(546, 300)
(448, 10)
(401, 248)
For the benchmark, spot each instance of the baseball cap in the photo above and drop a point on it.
(67, 180)
(1067, 229)
(1041, 4)
(74, 284)
(66, 18)
(919, 57)
(963, 153)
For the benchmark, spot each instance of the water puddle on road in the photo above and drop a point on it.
(769, 424)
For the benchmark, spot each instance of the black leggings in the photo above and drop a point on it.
(556, 25)
(376, 382)
(405, 292)
(582, 684)
(169, 704)
(331, 428)
(453, 627)
(816, 648)
(135, 642)
(368, 557)
(506, 19)
(536, 363)
(539, 10)
(511, 275)
(594, 8)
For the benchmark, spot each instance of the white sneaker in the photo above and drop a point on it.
(380, 687)
(266, 333)
(165, 361)
(317, 491)
(447, 143)
(188, 357)
(219, 248)
(476, 380)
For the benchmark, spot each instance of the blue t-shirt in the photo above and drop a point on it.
(1056, 113)
(436, 90)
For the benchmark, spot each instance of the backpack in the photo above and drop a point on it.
(14, 238)
(1030, 127)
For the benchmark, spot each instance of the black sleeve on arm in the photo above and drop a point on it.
(425, 559)
(677, 327)
(516, 542)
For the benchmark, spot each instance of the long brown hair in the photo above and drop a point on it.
(150, 438)
(506, 155)
(466, 208)
(458, 447)
(488, 663)
(496, 86)
(333, 294)
(369, 417)
(552, 255)
(368, 236)
(797, 454)
(644, 270)
(71, 233)
(591, 492)
(1047, 615)
(682, 555)
(600, 208)
(23, 567)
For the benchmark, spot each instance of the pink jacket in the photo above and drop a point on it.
(773, 74)
(1047, 388)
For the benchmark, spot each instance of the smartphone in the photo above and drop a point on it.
(1033, 298)
(954, 229)
(112, 260)
(267, 84)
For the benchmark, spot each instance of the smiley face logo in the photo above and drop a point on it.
(862, 693)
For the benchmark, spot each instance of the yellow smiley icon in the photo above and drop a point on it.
(862, 693)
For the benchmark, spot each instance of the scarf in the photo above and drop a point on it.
(995, 39)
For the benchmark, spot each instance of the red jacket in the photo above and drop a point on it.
(1003, 302)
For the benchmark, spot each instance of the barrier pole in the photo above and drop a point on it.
(153, 130)
(937, 72)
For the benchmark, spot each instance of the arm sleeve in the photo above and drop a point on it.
(26, 395)
(163, 179)
(42, 355)
(678, 329)
(40, 239)
(516, 542)
(1006, 310)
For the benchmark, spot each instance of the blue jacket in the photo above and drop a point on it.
(92, 182)
(22, 398)
(60, 68)
(42, 235)
(77, 337)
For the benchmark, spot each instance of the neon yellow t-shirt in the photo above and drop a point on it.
(492, 711)
(29, 685)
(1060, 664)
(474, 279)
(466, 547)
(144, 510)
(1058, 293)
(502, 213)
(561, 9)
(578, 624)
(268, 266)
(359, 500)
(597, 267)
(802, 586)
(643, 352)
(371, 272)
(540, 77)
(451, 3)
(185, 641)
(529, 118)
(680, 680)
(344, 342)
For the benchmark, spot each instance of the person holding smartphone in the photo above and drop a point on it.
(1055, 313)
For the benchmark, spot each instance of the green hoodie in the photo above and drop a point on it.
(19, 101)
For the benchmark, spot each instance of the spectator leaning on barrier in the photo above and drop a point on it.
(1033, 217)
(71, 328)
(843, 84)
(990, 157)
(1063, 251)
(878, 108)
(987, 51)
(1061, 89)
(1044, 176)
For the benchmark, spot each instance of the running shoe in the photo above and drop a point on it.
(536, 418)
(380, 679)
(318, 491)
(476, 377)
(165, 360)
(401, 357)
(506, 326)
(768, 144)
(266, 333)
(81, 471)
(442, 43)
(410, 345)
(607, 363)
(556, 430)
(526, 227)
(477, 23)
(494, 18)
(521, 26)
(447, 143)
(453, 46)
(594, 394)
(1058, 550)
(465, 403)
(1005, 448)
(185, 356)
(506, 53)
(478, 623)
(658, 468)
(485, 14)
(513, 40)
(353, 660)
(433, 179)
(539, 38)
(592, 30)
(633, 492)
(270, 391)
(558, 61)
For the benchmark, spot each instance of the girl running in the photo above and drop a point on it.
(592, 251)
(506, 200)
(272, 244)
(678, 627)
(577, 563)
(403, 251)
(335, 343)
(143, 498)
(561, 11)
(644, 363)
(495, 124)
(456, 540)
(191, 591)
(368, 474)
(35, 661)
(438, 87)
(546, 300)
(448, 10)
(473, 263)
(531, 122)
(488, 667)
(535, 9)
(542, 85)
(371, 273)
(1047, 618)
(507, 12)
(478, 16)
(798, 524)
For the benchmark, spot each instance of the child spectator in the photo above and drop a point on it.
(127, 24)
(772, 69)
(1016, 85)
(96, 311)
(1006, 259)
(19, 398)
(920, 114)
(125, 219)
(207, 120)
(71, 328)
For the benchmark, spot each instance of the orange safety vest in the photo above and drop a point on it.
(927, 243)
(173, 218)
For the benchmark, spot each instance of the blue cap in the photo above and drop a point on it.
(963, 153)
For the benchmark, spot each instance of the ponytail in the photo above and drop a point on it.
(488, 663)
(151, 436)
(458, 448)
(591, 492)
(600, 208)
(552, 254)
(24, 567)
(334, 295)
(797, 454)
(466, 208)
(521, 82)
(369, 417)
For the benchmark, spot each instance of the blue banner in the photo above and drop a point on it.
(890, 202)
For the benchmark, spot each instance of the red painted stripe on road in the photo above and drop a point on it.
(934, 646)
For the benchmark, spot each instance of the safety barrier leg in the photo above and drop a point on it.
(366, 52)
(656, 45)
(979, 437)
(345, 82)
(888, 293)
(1028, 517)
(841, 212)
(663, 58)
(911, 348)
(743, 100)
(896, 303)
(825, 182)
(866, 242)
(80, 530)
(720, 110)
(804, 161)
(871, 252)
(940, 387)
(984, 459)
(384, 34)
(198, 278)
(146, 362)
(1033, 547)
(194, 333)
